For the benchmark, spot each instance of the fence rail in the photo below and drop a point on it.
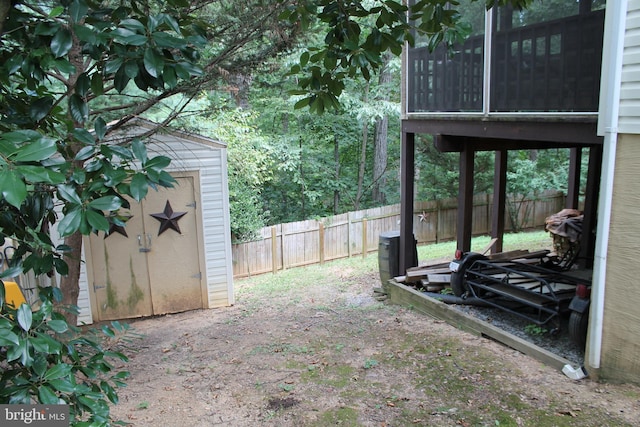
(307, 242)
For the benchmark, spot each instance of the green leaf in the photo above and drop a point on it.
(85, 152)
(100, 127)
(133, 25)
(64, 66)
(15, 352)
(139, 150)
(61, 43)
(83, 84)
(36, 174)
(153, 62)
(56, 11)
(134, 40)
(78, 10)
(36, 151)
(8, 338)
(139, 186)
(47, 396)
(165, 40)
(169, 77)
(157, 163)
(39, 108)
(79, 108)
(96, 220)
(121, 79)
(84, 136)
(57, 371)
(113, 65)
(68, 193)
(97, 84)
(11, 272)
(63, 385)
(59, 326)
(70, 223)
(13, 189)
(107, 203)
(25, 317)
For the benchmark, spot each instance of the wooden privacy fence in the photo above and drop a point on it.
(350, 234)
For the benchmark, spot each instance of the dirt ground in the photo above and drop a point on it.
(330, 354)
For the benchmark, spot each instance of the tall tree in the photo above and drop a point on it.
(381, 140)
(88, 64)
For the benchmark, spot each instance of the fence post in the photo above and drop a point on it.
(349, 224)
(274, 250)
(364, 237)
(282, 247)
(321, 241)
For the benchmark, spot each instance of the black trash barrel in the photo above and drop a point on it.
(389, 255)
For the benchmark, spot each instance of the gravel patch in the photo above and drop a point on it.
(559, 343)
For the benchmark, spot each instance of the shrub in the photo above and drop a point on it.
(43, 360)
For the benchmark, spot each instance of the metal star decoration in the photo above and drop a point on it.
(116, 225)
(168, 219)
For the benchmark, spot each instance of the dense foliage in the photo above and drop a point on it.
(90, 68)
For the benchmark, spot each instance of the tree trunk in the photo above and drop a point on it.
(70, 284)
(381, 142)
(380, 160)
(363, 153)
(336, 159)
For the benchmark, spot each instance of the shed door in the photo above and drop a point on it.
(154, 268)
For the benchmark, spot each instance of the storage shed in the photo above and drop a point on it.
(175, 252)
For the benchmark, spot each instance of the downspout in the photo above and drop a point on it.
(613, 46)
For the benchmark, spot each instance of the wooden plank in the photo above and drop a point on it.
(439, 278)
(416, 275)
(404, 295)
(489, 246)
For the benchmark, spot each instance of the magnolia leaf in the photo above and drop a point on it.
(61, 43)
(25, 317)
(46, 396)
(68, 193)
(85, 153)
(139, 186)
(96, 220)
(157, 163)
(100, 127)
(39, 108)
(35, 174)
(84, 136)
(12, 188)
(36, 151)
(139, 150)
(79, 108)
(153, 62)
(107, 203)
(83, 84)
(70, 223)
(78, 10)
(97, 84)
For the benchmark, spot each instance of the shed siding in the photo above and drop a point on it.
(620, 345)
(192, 153)
(629, 115)
(85, 316)
(215, 216)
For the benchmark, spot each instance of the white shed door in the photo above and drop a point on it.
(154, 268)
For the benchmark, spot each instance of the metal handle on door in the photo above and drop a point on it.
(143, 249)
(148, 240)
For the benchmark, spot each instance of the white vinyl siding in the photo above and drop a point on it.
(207, 158)
(629, 114)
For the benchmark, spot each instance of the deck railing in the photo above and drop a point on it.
(551, 66)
